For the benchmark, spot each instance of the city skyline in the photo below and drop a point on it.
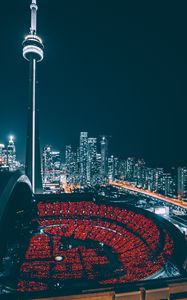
(74, 143)
(90, 165)
(116, 77)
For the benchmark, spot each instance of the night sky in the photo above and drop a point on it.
(111, 67)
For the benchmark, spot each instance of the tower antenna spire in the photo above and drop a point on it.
(34, 9)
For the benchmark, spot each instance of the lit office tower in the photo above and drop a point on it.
(46, 158)
(83, 157)
(104, 159)
(120, 173)
(51, 165)
(139, 172)
(2, 158)
(158, 179)
(111, 171)
(71, 163)
(2, 146)
(56, 160)
(168, 185)
(98, 169)
(68, 162)
(91, 162)
(149, 179)
(130, 168)
(182, 183)
(33, 52)
(46, 163)
(11, 154)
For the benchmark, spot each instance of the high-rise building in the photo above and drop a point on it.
(11, 154)
(72, 166)
(174, 174)
(83, 158)
(111, 170)
(3, 157)
(78, 164)
(71, 162)
(182, 183)
(68, 162)
(46, 159)
(91, 162)
(158, 180)
(51, 165)
(120, 169)
(75, 178)
(98, 169)
(104, 159)
(33, 52)
(168, 185)
(139, 172)
(8, 156)
(116, 167)
(56, 160)
(149, 179)
(130, 168)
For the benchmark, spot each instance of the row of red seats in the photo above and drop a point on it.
(133, 251)
(75, 261)
(104, 231)
(39, 247)
(83, 208)
(31, 286)
(136, 222)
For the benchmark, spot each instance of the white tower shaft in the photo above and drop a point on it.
(33, 52)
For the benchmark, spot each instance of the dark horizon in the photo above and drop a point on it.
(109, 68)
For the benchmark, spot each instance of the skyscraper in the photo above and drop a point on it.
(104, 159)
(91, 162)
(111, 171)
(83, 157)
(11, 154)
(120, 173)
(138, 172)
(71, 163)
(130, 168)
(158, 179)
(46, 162)
(51, 165)
(68, 162)
(182, 183)
(8, 156)
(168, 185)
(149, 179)
(2, 157)
(33, 52)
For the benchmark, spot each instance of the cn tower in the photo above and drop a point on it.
(33, 52)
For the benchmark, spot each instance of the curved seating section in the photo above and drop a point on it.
(141, 248)
(39, 247)
(75, 261)
(136, 222)
(31, 286)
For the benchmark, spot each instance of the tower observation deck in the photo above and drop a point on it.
(33, 52)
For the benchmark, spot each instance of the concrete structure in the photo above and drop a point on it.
(33, 52)
(15, 195)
